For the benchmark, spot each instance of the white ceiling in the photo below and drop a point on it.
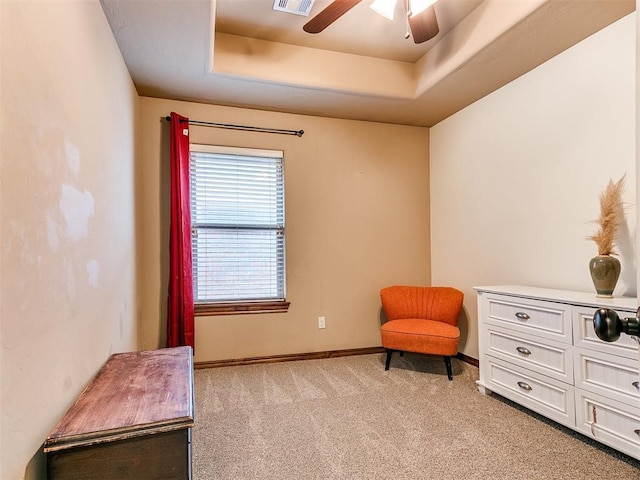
(243, 53)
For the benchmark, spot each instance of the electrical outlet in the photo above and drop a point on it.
(321, 322)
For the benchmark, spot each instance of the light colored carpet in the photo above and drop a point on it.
(346, 418)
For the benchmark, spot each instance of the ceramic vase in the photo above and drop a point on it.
(605, 271)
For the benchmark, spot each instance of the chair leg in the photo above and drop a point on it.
(388, 361)
(447, 362)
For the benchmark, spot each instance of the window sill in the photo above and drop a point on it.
(240, 308)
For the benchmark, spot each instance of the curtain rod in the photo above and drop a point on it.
(247, 128)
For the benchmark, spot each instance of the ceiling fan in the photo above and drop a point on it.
(421, 16)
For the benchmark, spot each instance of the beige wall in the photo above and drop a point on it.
(637, 128)
(67, 220)
(516, 177)
(357, 219)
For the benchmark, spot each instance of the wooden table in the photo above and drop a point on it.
(133, 421)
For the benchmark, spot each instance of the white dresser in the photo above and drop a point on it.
(538, 348)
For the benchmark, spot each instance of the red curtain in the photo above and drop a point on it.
(180, 328)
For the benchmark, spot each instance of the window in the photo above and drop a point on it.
(237, 216)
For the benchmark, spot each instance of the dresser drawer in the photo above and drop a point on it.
(585, 336)
(544, 395)
(609, 375)
(534, 317)
(547, 357)
(613, 423)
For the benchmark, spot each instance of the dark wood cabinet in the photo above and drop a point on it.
(133, 421)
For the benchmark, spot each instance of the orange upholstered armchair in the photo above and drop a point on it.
(421, 320)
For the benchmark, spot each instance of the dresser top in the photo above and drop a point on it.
(562, 296)
(133, 394)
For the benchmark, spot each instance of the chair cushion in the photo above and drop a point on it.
(420, 336)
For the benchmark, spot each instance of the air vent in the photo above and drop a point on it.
(297, 7)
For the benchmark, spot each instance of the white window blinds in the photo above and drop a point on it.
(237, 216)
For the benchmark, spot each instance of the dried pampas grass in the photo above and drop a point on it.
(611, 214)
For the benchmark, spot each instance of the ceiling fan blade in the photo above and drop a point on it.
(329, 15)
(424, 26)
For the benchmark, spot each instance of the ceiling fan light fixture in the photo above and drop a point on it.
(418, 6)
(386, 8)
